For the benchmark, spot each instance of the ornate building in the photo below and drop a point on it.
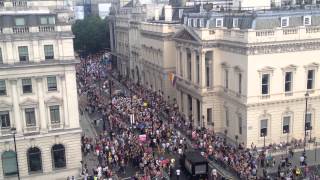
(245, 74)
(38, 93)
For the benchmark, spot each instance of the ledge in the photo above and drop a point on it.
(41, 63)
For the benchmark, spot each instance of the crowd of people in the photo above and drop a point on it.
(142, 129)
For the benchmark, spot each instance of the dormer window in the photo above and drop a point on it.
(307, 20)
(284, 21)
(235, 23)
(219, 22)
(20, 22)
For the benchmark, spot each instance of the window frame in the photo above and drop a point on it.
(286, 130)
(309, 79)
(7, 120)
(49, 56)
(62, 149)
(240, 124)
(284, 19)
(39, 159)
(50, 85)
(209, 116)
(14, 159)
(227, 116)
(308, 122)
(304, 20)
(288, 81)
(219, 20)
(235, 22)
(262, 128)
(3, 87)
(25, 86)
(27, 116)
(23, 57)
(226, 78)
(55, 109)
(240, 79)
(263, 84)
(19, 18)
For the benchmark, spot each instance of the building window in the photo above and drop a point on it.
(227, 117)
(26, 86)
(198, 69)
(194, 24)
(308, 121)
(219, 22)
(208, 65)
(190, 104)
(265, 81)
(209, 116)
(30, 117)
(285, 22)
(240, 83)
(47, 20)
(263, 127)
(34, 159)
(288, 82)
(310, 79)
(307, 20)
(286, 124)
(9, 163)
(20, 22)
(1, 59)
(3, 89)
(48, 52)
(58, 156)
(5, 119)
(226, 78)
(235, 22)
(54, 114)
(240, 124)
(52, 83)
(23, 53)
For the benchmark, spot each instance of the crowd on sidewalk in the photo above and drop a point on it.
(143, 127)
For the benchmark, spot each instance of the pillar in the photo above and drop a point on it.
(178, 61)
(203, 69)
(42, 109)
(18, 123)
(193, 67)
(65, 102)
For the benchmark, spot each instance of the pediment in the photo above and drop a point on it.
(290, 67)
(54, 100)
(5, 105)
(185, 34)
(29, 102)
(266, 69)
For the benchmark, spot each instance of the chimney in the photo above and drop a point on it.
(168, 13)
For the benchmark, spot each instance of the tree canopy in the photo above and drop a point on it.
(91, 35)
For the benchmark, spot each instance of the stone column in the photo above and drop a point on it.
(65, 101)
(194, 112)
(42, 108)
(178, 60)
(203, 69)
(193, 67)
(18, 123)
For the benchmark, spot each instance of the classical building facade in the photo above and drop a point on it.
(38, 93)
(245, 74)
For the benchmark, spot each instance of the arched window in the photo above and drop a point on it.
(9, 163)
(58, 156)
(34, 159)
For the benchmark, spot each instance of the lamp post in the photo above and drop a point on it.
(305, 123)
(13, 131)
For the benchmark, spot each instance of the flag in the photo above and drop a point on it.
(173, 78)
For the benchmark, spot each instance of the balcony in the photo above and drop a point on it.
(46, 28)
(30, 129)
(56, 126)
(20, 30)
(19, 4)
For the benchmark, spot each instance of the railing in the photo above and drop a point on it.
(55, 126)
(46, 28)
(20, 30)
(1, 4)
(19, 3)
(5, 131)
(30, 129)
(265, 33)
(313, 30)
(290, 31)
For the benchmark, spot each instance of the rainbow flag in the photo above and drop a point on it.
(173, 78)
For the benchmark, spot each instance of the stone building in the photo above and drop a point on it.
(246, 73)
(38, 93)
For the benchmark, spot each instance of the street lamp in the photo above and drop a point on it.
(14, 131)
(305, 123)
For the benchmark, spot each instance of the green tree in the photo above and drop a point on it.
(91, 35)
